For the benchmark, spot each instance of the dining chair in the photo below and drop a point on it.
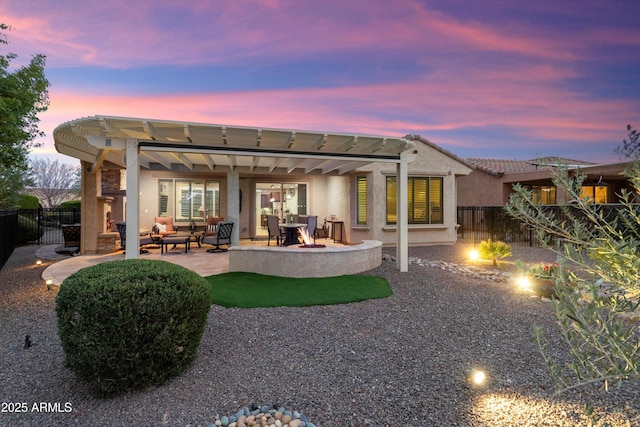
(274, 230)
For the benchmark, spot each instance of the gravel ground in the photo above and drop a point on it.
(399, 361)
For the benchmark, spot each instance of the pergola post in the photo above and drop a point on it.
(233, 205)
(132, 211)
(402, 218)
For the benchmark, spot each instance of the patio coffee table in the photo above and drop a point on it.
(179, 239)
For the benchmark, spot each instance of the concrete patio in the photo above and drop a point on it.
(197, 259)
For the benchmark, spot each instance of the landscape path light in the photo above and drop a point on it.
(477, 378)
(523, 282)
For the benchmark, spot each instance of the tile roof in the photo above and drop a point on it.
(502, 166)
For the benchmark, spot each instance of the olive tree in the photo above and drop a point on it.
(596, 304)
(23, 94)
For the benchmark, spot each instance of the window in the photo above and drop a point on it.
(188, 200)
(424, 196)
(596, 193)
(361, 200)
(543, 194)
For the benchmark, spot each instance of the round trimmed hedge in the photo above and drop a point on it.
(132, 323)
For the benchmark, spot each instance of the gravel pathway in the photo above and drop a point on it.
(399, 361)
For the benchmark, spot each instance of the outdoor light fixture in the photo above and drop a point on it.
(473, 255)
(523, 282)
(38, 262)
(476, 378)
(479, 377)
(49, 283)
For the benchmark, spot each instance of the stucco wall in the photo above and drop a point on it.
(480, 188)
(326, 195)
(429, 162)
(294, 261)
(334, 195)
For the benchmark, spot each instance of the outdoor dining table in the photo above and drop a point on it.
(291, 232)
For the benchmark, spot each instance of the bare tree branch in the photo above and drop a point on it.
(54, 182)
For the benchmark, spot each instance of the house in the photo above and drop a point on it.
(491, 182)
(140, 169)
(52, 197)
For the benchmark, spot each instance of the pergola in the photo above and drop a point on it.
(132, 143)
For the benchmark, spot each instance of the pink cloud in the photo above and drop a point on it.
(156, 32)
(536, 113)
(479, 73)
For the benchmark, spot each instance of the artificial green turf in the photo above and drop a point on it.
(249, 290)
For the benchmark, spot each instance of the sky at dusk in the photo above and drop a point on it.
(494, 78)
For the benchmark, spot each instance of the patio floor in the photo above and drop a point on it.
(197, 259)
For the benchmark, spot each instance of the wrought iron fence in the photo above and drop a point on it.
(477, 223)
(42, 226)
(8, 234)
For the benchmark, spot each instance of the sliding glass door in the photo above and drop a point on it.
(281, 199)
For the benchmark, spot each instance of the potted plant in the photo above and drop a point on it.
(541, 278)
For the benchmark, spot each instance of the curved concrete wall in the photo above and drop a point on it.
(294, 261)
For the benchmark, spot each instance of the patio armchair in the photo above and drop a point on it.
(163, 227)
(145, 239)
(212, 225)
(71, 235)
(274, 230)
(222, 237)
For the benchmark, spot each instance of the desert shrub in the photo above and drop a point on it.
(27, 230)
(597, 311)
(131, 323)
(494, 250)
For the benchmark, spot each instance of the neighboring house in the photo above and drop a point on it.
(491, 183)
(52, 197)
(140, 169)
